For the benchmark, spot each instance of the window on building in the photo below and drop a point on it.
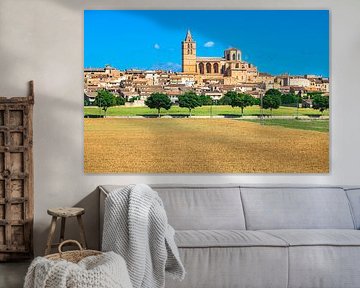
(201, 68)
(208, 68)
(216, 68)
(234, 57)
(237, 65)
(228, 57)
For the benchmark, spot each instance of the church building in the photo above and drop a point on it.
(230, 66)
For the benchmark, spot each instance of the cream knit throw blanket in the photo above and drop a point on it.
(103, 271)
(136, 227)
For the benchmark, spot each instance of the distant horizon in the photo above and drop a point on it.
(151, 40)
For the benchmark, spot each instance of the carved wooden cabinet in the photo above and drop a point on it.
(16, 177)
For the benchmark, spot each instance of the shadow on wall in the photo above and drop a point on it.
(91, 222)
(57, 164)
(91, 219)
(214, 32)
(11, 88)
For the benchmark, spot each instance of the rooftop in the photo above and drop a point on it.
(94, 70)
(210, 58)
(188, 37)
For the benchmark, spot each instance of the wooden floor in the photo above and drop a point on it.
(12, 274)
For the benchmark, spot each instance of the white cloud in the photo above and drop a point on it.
(209, 44)
(156, 46)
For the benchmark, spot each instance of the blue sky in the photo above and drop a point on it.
(276, 41)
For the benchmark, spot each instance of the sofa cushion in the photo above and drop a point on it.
(322, 258)
(324, 267)
(225, 267)
(199, 207)
(225, 238)
(296, 208)
(314, 237)
(202, 208)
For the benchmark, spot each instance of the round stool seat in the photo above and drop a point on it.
(66, 212)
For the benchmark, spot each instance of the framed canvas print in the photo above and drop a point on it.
(220, 91)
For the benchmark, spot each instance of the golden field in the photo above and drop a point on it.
(201, 146)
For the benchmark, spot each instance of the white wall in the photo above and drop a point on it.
(43, 40)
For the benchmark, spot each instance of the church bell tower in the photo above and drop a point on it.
(188, 54)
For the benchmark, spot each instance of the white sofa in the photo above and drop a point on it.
(263, 237)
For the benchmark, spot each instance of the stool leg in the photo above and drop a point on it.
(82, 231)
(62, 231)
(51, 235)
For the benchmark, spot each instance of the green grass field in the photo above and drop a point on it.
(314, 125)
(202, 111)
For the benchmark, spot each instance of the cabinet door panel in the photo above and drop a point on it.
(16, 183)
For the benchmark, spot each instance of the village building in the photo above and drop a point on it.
(210, 76)
(230, 68)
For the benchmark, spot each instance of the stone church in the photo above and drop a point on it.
(230, 67)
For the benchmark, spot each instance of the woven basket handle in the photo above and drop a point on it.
(69, 241)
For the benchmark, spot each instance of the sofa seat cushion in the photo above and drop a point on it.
(322, 258)
(317, 237)
(226, 238)
(231, 258)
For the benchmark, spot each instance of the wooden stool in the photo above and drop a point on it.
(64, 213)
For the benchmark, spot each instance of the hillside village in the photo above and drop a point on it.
(210, 76)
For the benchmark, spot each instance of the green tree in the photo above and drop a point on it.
(311, 95)
(205, 100)
(272, 99)
(158, 101)
(320, 102)
(133, 99)
(299, 100)
(120, 100)
(86, 102)
(227, 98)
(104, 100)
(256, 101)
(189, 100)
(242, 101)
(289, 99)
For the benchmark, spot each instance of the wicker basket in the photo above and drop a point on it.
(72, 256)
